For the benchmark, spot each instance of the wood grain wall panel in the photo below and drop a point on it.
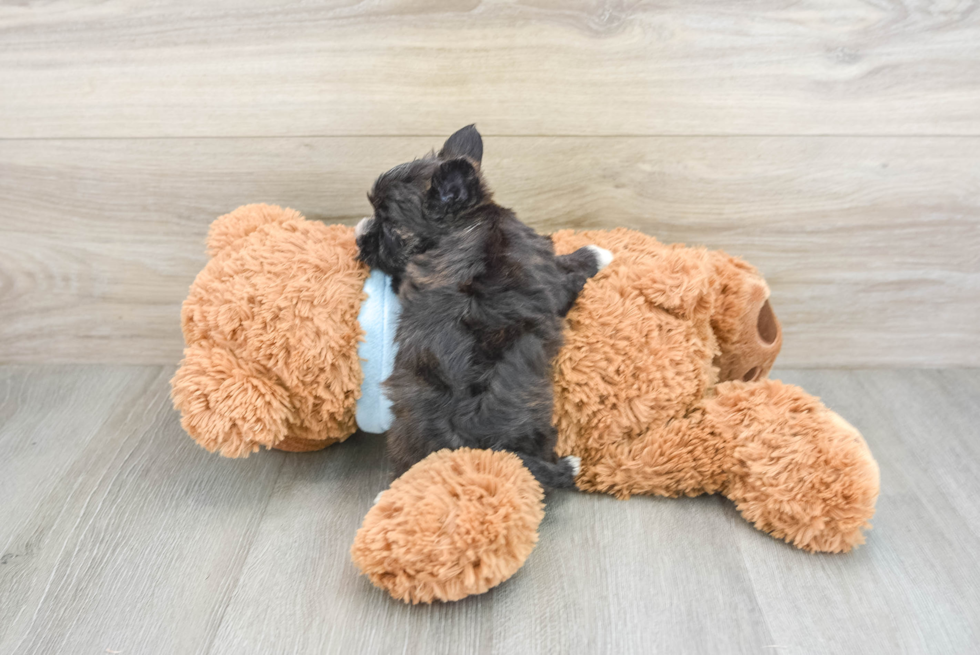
(871, 245)
(124, 68)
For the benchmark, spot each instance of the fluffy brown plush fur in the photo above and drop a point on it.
(636, 397)
(649, 392)
(271, 332)
(461, 522)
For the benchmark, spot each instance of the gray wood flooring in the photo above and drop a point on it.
(119, 535)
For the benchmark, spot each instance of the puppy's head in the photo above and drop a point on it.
(416, 203)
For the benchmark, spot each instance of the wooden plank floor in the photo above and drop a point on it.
(119, 534)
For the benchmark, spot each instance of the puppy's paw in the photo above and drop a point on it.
(362, 226)
(602, 256)
(575, 463)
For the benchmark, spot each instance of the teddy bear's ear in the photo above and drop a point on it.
(229, 230)
(466, 142)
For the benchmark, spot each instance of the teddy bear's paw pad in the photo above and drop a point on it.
(603, 257)
(457, 523)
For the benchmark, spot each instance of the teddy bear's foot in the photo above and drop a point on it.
(798, 470)
(456, 524)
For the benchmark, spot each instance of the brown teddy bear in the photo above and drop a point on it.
(660, 389)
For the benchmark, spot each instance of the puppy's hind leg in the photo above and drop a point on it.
(553, 475)
(577, 268)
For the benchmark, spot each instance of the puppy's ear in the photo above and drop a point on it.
(466, 142)
(455, 186)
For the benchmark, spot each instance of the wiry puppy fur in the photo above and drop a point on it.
(483, 296)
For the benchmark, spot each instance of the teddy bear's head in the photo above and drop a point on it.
(271, 331)
(655, 335)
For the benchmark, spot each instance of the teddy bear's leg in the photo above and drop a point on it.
(227, 405)
(682, 458)
(797, 469)
(793, 467)
(456, 524)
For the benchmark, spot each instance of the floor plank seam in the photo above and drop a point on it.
(84, 509)
(735, 516)
(245, 557)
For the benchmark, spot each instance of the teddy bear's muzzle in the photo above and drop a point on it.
(750, 351)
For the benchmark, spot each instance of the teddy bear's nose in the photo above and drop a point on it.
(766, 324)
(749, 350)
(767, 331)
(759, 356)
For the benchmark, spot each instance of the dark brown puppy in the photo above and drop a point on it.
(482, 299)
